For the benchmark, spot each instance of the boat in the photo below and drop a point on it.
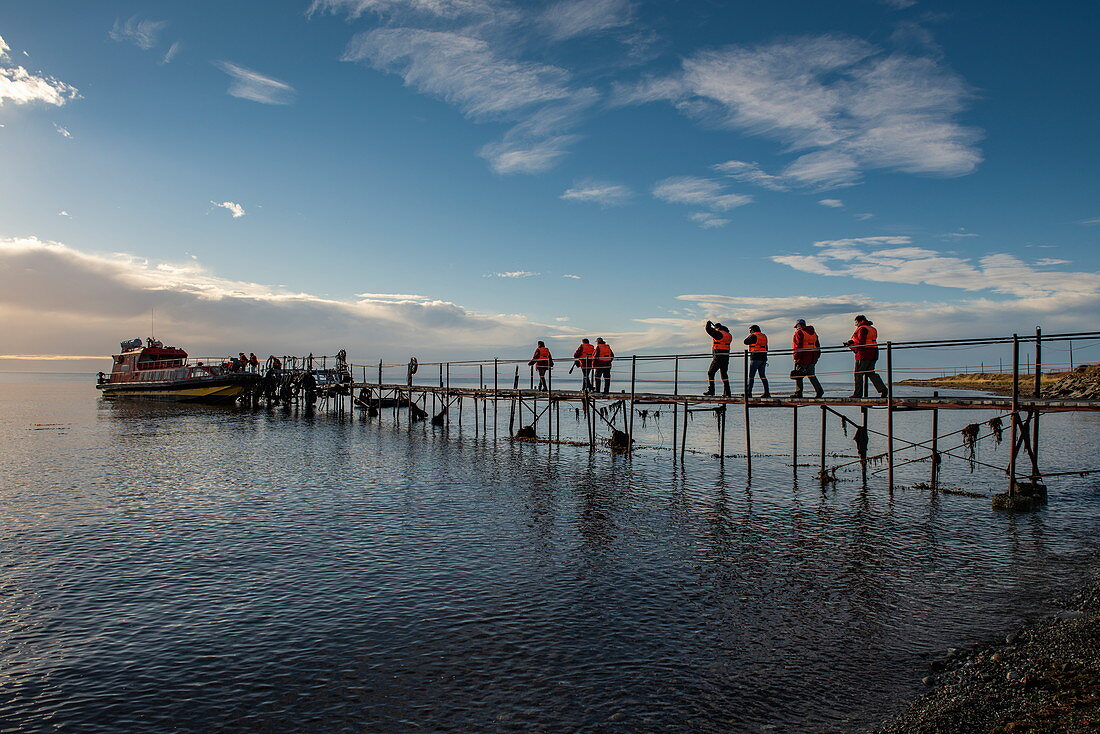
(153, 371)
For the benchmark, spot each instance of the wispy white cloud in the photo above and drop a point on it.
(751, 172)
(430, 8)
(864, 216)
(19, 86)
(63, 132)
(1090, 222)
(252, 85)
(961, 234)
(571, 276)
(467, 72)
(598, 192)
(141, 33)
(696, 191)
(171, 52)
(708, 220)
(897, 260)
(512, 274)
(832, 203)
(1051, 261)
(63, 213)
(232, 207)
(850, 105)
(572, 18)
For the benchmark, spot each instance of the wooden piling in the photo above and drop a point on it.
(1015, 415)
(824, 430)
(889, 416)
(1038, 394)
(935, 443)
(794, 439)
(633, 385)
(684, 433)
(748, 427)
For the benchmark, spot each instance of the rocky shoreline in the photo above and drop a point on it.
(1083, 383)
(1043, 678)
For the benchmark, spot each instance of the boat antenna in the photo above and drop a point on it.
(152, 316)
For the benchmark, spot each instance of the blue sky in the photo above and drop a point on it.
(456, 160)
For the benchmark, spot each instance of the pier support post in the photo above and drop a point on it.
(889, 416)
(722, 435)
(684, 433)
(1038, 390)
(794, 439)
(496, 396)
(824, 430)
(1015, 415)
(633, 386)
(748, 427)
(935, 480)
(865, 415)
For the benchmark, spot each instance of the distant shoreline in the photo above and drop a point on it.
(995, 382)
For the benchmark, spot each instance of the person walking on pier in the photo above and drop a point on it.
(807, 351)
(720, 359)
(582, 358)
(542, 361)
(864, 344)
(757, 342)
(603, 361)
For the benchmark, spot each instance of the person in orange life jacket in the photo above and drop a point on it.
(720, 359)
(253, 362)
(542, 361)
(603, 360)
(582, 358)
(757, 342)
(864, 344)
(807, 351)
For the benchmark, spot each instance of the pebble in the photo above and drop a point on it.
(1012, 676)
(927, 680)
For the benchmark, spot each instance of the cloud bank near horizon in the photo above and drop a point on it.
(58, 300)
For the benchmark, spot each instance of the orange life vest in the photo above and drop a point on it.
(585, 350)
(604, 353)
(761, 343)
(542, 353)
(722, 343)
(809, 341)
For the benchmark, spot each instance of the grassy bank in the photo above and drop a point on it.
(995, 382)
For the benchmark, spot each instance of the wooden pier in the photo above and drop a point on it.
(610, 417)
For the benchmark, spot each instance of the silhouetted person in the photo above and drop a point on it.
(542, 361)
(583, 358)
(720, 359)
(604, 358)
(864, 344)
(757, 342)
(807, 351)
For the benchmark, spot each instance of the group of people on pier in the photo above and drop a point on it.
(595, 360)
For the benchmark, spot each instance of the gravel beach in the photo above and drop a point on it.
(1044, 677)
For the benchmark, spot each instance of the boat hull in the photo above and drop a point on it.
(222, 389)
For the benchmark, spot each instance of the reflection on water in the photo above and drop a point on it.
(172, 567)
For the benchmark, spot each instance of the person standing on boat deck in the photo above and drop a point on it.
(720, 359)
(542, 361)
(757, 342)
(582, 358)
(807, 352)
(603, 361)
(242, 362)
(864, 344)
(253, 362)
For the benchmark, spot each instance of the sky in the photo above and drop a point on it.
(459, 178)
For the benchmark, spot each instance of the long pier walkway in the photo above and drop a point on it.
(659, 380)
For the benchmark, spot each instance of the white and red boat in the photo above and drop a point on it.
(152, 371)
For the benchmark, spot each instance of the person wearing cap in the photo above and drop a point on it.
(806, 351)
(602, 363)
(757, 342)
(720, 357)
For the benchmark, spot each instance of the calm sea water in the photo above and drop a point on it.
(167, 568)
